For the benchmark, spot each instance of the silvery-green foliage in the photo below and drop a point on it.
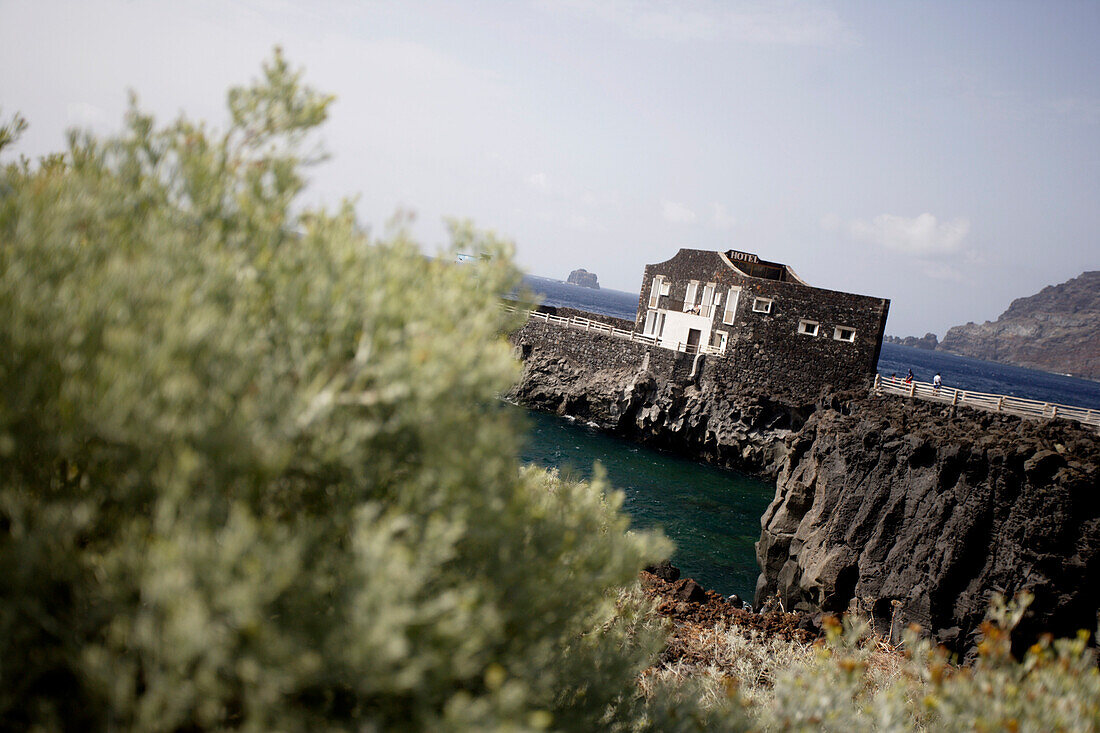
(253, 469)
(852, 687)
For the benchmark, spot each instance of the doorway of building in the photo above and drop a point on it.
(693, 340)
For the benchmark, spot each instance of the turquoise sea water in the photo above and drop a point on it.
(713, 515)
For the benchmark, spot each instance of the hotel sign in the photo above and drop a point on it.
(742, 256)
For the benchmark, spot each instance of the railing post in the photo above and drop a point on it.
(1054, 410)
(913, 388)
(955, 398)
(1000, 403)
(878, 379)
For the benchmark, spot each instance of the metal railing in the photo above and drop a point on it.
(586, 324)
(1019, 406)
(698, 349)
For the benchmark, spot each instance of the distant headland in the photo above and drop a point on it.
(1056, 330)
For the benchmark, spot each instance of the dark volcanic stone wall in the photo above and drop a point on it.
(918, 513)
(765, 352)
(662, 398)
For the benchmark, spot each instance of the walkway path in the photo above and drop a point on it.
(996, 403)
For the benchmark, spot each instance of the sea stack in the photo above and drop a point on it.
(584, 278)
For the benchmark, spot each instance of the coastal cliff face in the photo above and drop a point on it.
(1057, 330)
(742, 431)
(917, 514)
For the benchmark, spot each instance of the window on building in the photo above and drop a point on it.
(689, 297)
(843, 333)
(731, 305)
(719, 339)
(762, 305)
(808, 328)
(706, 306)
(654, 323)
(656, 290)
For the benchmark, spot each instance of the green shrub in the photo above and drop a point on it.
(852, 681)
(1056, 687)
(253, 469)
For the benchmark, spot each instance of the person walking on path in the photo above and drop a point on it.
(936, 383)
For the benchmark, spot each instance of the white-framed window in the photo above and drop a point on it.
(690, 295)
(666, 286)
(657, 290)
(706, 306)
(731, 305)
(762, 305)
(843, 333)
(654, 323)
(808, 328)
(719, 340)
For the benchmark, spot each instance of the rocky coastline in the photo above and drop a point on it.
(742, 430)
(1056, 330)
(909, 511)
(917, 513)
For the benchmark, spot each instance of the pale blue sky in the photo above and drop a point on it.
(945, 155)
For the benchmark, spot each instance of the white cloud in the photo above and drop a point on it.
(85, 116)
(677, 213)
(831, 222)
(941, 271)
(721, 217)
(792, 23)
(919, 236)
(583, 223)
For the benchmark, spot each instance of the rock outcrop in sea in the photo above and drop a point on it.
(1056, 330)
(584, 278)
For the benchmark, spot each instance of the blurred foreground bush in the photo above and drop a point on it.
(253, 470)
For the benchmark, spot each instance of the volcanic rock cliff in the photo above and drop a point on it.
(1057, 330)
(740, 430)
(917, 513)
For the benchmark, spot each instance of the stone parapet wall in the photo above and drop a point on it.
(795, 375)
(590, 349)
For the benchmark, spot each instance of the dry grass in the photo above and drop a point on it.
(725, 657)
